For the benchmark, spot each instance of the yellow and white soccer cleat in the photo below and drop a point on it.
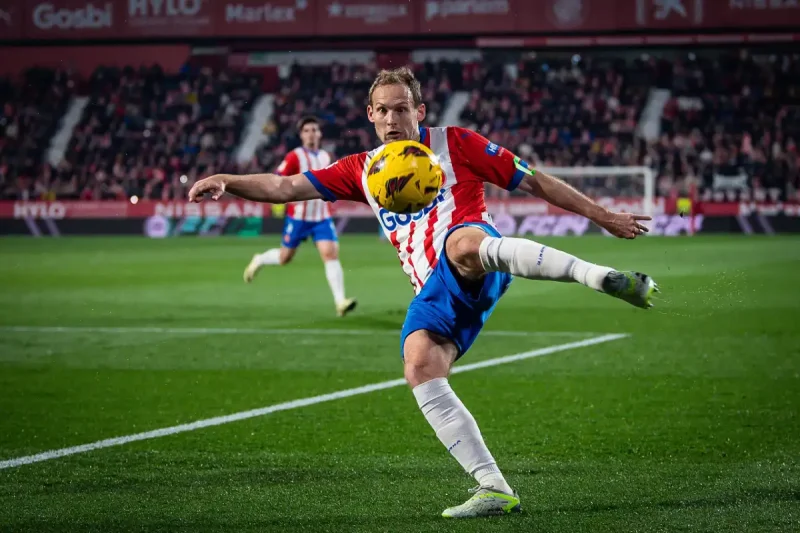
(633, 287)
(345, 306)
(485, 501)
(252, 269)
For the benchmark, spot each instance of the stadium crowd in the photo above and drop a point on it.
(31, 109)
(731, 121)
(143, 132)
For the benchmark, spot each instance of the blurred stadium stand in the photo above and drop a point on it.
(726, 120)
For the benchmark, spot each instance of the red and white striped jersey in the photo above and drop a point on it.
(298, 161)
(468, 160)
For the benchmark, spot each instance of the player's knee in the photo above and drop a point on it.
(417, 371)
(328, 252)
(415, 374)
(426, 357)
(286, 256)
(463, 252)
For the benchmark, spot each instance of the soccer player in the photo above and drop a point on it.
(458, 263)
(307, 218)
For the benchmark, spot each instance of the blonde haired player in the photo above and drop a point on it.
(309, 218)
(456, 260)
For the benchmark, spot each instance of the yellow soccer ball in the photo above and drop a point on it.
(404, 177)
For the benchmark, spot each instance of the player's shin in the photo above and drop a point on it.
(457, 430)
(532, 260)
(270, 257)
(335, 275)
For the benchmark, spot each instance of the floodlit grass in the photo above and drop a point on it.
(689, 424)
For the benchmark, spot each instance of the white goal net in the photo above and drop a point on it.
(625, 186)
(619, 189)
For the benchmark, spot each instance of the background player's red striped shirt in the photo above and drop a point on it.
(298, 161)
(468, 160)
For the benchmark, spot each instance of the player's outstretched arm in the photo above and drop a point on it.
(269, 188)
(560, 194)
(500, 167)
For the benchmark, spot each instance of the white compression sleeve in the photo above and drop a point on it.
(532, 260)
(335, 275)
(458, 431)
(270, 257)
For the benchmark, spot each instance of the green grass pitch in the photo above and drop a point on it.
(689, 424)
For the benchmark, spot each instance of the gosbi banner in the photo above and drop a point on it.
(59, 210)
(146, 19)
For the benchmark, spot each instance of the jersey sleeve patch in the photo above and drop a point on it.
(522, 169)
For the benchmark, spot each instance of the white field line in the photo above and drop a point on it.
(294, 404)
(257, 331)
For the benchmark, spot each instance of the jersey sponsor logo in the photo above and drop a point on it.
(392, 221)
(492, 149)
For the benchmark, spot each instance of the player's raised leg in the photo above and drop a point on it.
(329, 253)
(427, 361)
(474, 251)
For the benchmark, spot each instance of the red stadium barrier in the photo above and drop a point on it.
(145, 19)
(84, 60)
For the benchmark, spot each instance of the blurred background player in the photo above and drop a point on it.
(309, 218)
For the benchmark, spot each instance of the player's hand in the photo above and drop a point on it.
(213, 185)
(624, 225)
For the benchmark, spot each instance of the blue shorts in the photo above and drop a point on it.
(445, 308)
(296, 231)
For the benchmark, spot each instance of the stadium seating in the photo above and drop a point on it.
(564, 112)
(731, 123)
(31, 108)
(144, 129)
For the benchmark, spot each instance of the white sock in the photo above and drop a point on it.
(335, 275)
(458, 431)
(532, 260)
(270, 257)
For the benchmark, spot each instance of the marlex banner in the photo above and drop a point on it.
(145, 19)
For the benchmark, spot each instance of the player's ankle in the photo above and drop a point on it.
(490, 477)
